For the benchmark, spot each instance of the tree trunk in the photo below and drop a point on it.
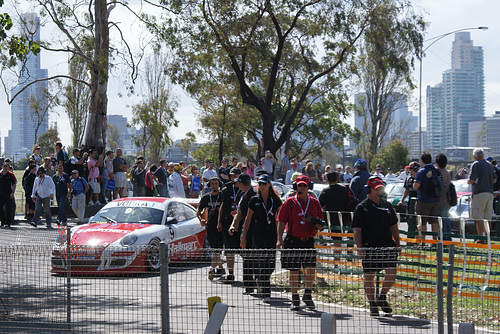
(96, 127)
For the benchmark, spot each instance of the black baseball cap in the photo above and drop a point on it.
(244, 179)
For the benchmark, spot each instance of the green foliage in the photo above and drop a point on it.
(47, 141)
(113, 137)
(394, 155)
(187, 143)
(390, 45)
(16, 47)
(268, 51)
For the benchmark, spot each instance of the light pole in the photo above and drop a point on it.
(422, 52)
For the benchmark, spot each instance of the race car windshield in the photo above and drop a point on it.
(131, 215)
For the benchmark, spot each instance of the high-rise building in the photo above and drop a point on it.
(29, 112)
(458, 99)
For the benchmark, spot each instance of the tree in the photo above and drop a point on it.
(113, 137)
(187, 143)
(47, 141)
(156, 114)
(394, 155)
(224, 120)
(81, 18)
(269, 50)
(391, 42)
(77, 93)
(40, 104)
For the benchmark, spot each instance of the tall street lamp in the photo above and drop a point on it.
(422, 52)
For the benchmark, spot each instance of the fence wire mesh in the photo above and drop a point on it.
(119, 290)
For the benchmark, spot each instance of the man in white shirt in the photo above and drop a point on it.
(404, 174)
(289, 173)
(43, 192)
(390, 175)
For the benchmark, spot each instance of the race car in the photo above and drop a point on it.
(125, 236)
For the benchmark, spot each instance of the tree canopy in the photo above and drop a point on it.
(280, 54)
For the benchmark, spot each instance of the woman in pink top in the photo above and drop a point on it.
(150, 181)
(251, 167)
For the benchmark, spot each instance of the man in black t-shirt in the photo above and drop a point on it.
(376, 235)
(223, 171)
(208, 214)
(336, 198)
(246, 193)
(412, 197)
(227, 211)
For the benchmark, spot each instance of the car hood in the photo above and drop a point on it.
(104, 234)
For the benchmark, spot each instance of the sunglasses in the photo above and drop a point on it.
(302, 185)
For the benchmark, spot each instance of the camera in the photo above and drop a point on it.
(315, 220)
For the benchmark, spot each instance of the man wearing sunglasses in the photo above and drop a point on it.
(42, 193)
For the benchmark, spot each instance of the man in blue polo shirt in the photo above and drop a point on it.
(80, 188)
(427, 206)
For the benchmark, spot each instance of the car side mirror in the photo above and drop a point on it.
(171, 220)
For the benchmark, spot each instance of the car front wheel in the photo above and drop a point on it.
(153, 255)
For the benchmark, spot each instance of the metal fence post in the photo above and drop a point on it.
(439, 288)
(449, 288)
(165, 310)
(68, 277)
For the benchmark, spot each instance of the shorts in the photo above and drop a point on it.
(481, 206)
(298, 254)
(379, 258)
(120, 180)
(95, 185)
(428, 211)
(214, 237)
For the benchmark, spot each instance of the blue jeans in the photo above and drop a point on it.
(163, 190)
(61, 213)
(38, 209)
(444, 212)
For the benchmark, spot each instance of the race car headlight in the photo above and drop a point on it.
(128, 240)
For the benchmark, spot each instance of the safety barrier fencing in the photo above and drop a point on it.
(97, 289)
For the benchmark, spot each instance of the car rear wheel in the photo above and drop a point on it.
(153, 255)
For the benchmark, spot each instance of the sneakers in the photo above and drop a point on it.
(248, 291)
(374, 309)
(33, 224)
(307, 299)
(228, 279)
(295, 303)
(267, 300)
(211, 274)
(91, 203)
(219, 272)
(383, 304)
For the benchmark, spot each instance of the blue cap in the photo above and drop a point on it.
(360, 162)
(488, 158)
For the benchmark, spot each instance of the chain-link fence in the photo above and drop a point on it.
(121, 290)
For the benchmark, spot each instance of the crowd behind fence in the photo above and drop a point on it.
(174, 300)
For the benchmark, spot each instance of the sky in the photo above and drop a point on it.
(443, 16)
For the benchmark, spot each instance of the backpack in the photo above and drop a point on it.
(435, 186)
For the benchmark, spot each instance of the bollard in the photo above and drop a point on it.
(68, 278)
(328, 323)
(217, 319)
(465, 328)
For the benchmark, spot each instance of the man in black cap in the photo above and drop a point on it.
(208, 214)
(376, 235)
(227, 211)
(7, 188)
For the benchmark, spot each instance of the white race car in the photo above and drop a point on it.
(125, 235)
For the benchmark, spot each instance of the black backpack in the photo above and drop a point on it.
(435, 186)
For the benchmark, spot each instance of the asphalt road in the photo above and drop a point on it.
(34, 300)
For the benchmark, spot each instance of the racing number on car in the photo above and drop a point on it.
(172, 234)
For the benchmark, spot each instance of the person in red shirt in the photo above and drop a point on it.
(302, 216)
